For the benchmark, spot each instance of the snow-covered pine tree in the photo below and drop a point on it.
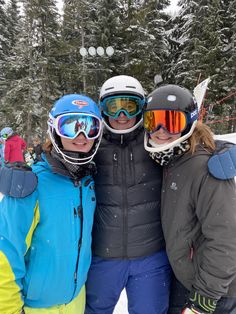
(4, 46)
(108, 32)
(34, 65)
(155, 45)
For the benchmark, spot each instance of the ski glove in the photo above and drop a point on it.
(199, 304)
(222, 165)
(17, 180)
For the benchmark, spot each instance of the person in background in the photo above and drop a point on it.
(128, 243)
(14, 146)
(45, 247)
(37, 148)
(1, 152)
(30, 156)
(197, 210)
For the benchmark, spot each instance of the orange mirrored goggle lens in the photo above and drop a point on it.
(173, 121)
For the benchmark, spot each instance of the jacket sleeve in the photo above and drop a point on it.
(216, 256)
(18, 220)
(23, 145)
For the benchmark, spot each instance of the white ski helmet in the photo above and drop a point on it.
(121, 85)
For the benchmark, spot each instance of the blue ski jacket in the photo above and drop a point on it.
(45, 242)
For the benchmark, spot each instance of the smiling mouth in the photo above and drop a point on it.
(163, 139)
(80, 144)
(122, 121)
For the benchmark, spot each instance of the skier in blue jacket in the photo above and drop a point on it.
(45, 238)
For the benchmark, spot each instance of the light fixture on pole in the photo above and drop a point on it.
(95, 52)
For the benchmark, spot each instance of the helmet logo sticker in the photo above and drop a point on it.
(193, 113)
(80, 103)
(171, 97)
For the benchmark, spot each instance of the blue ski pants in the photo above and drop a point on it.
(146, 280)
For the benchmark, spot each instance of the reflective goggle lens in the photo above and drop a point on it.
(70, 126)
(173, 121)
(112, 106)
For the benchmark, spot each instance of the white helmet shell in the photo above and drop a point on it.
(121, 84)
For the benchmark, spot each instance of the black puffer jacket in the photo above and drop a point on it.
(128, 185)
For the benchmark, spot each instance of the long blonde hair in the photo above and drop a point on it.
(202, 135)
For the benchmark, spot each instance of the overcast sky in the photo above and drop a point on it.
(172, 8)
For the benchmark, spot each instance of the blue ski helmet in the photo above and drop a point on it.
(74, 103)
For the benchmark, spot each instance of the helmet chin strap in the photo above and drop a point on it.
(122, 131)
(153, 147)
(71, 160)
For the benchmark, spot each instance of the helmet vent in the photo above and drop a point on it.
(130, 86)
(109, 88)
(171, 97)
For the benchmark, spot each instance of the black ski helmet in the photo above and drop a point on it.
(172, 97)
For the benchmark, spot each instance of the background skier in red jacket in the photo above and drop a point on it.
(14, 146)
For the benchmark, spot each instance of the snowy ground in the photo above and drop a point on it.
(121, 307)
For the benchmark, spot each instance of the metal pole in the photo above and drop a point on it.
(97, 78)
(83, 61)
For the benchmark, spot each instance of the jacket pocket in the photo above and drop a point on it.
(36, 276)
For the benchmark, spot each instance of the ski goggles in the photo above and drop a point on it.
(131, 106)
(173, 121)
(70, 125)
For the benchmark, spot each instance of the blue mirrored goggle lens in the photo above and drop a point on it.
(71, 125)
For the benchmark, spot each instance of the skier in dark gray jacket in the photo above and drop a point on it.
(198, 211)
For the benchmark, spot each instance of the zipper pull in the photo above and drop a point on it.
(191, 253)
(79, 210)
(131, 156)
(75, 277)
(115, 157)
(121, 139)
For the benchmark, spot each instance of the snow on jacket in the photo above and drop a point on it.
(45, 254)
(127, 221)
(14, 148)
(199, 224)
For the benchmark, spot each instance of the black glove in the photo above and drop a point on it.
(200, 304)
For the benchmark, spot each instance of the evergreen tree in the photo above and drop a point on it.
(4, 46)
(78, 30)
(108, 33)
(34, 66)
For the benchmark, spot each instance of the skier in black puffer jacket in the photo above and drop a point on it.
(128, 244)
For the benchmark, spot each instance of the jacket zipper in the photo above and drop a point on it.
(79, 212)
(124, 198)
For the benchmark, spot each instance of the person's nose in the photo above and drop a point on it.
(81, 136)
(121, 115)
(161, 130)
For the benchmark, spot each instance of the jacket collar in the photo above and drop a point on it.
(122, 139)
